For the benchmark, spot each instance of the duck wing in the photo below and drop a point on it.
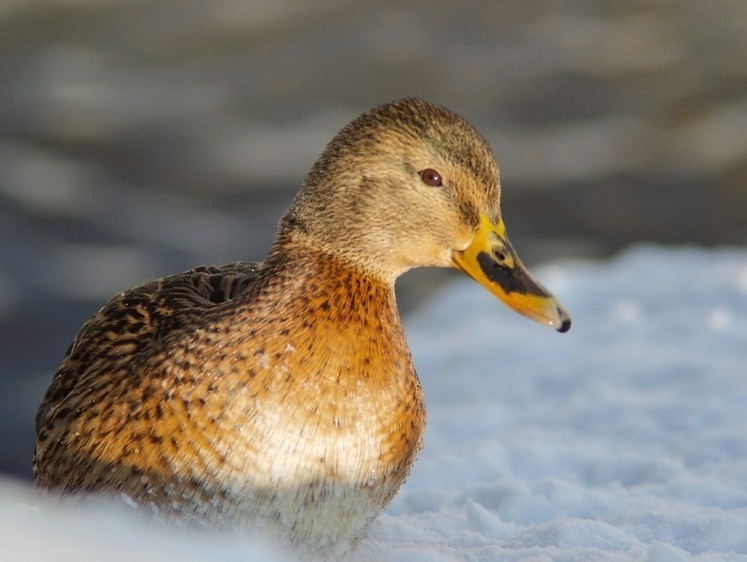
(130, 326)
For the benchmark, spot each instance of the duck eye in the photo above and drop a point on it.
(431, 177)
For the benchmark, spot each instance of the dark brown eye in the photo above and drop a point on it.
(431, 177)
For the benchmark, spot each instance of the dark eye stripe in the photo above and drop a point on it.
(431, 177)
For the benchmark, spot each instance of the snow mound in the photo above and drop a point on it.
(625, 439)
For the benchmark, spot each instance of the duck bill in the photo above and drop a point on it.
(491, 261)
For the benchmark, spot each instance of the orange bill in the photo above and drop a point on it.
(491, 261)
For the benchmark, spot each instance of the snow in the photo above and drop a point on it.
(625, 439)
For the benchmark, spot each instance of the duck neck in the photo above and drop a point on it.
(314, 281)
(344, 324)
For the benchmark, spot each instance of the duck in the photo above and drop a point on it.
(281, 396)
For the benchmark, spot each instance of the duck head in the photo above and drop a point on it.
(412, 184)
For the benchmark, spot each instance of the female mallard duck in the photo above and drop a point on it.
(282, 395)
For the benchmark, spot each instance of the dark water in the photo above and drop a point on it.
(142, 138)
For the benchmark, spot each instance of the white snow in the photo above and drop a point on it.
(625, 439)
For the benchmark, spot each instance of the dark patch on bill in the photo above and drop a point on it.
(511, 280)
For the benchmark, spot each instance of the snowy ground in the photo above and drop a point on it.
(625, 439)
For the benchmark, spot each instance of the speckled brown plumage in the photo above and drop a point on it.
(282, 395)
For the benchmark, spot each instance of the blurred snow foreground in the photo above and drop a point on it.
(625, 439)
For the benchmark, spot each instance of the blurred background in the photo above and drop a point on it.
(141, 138)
